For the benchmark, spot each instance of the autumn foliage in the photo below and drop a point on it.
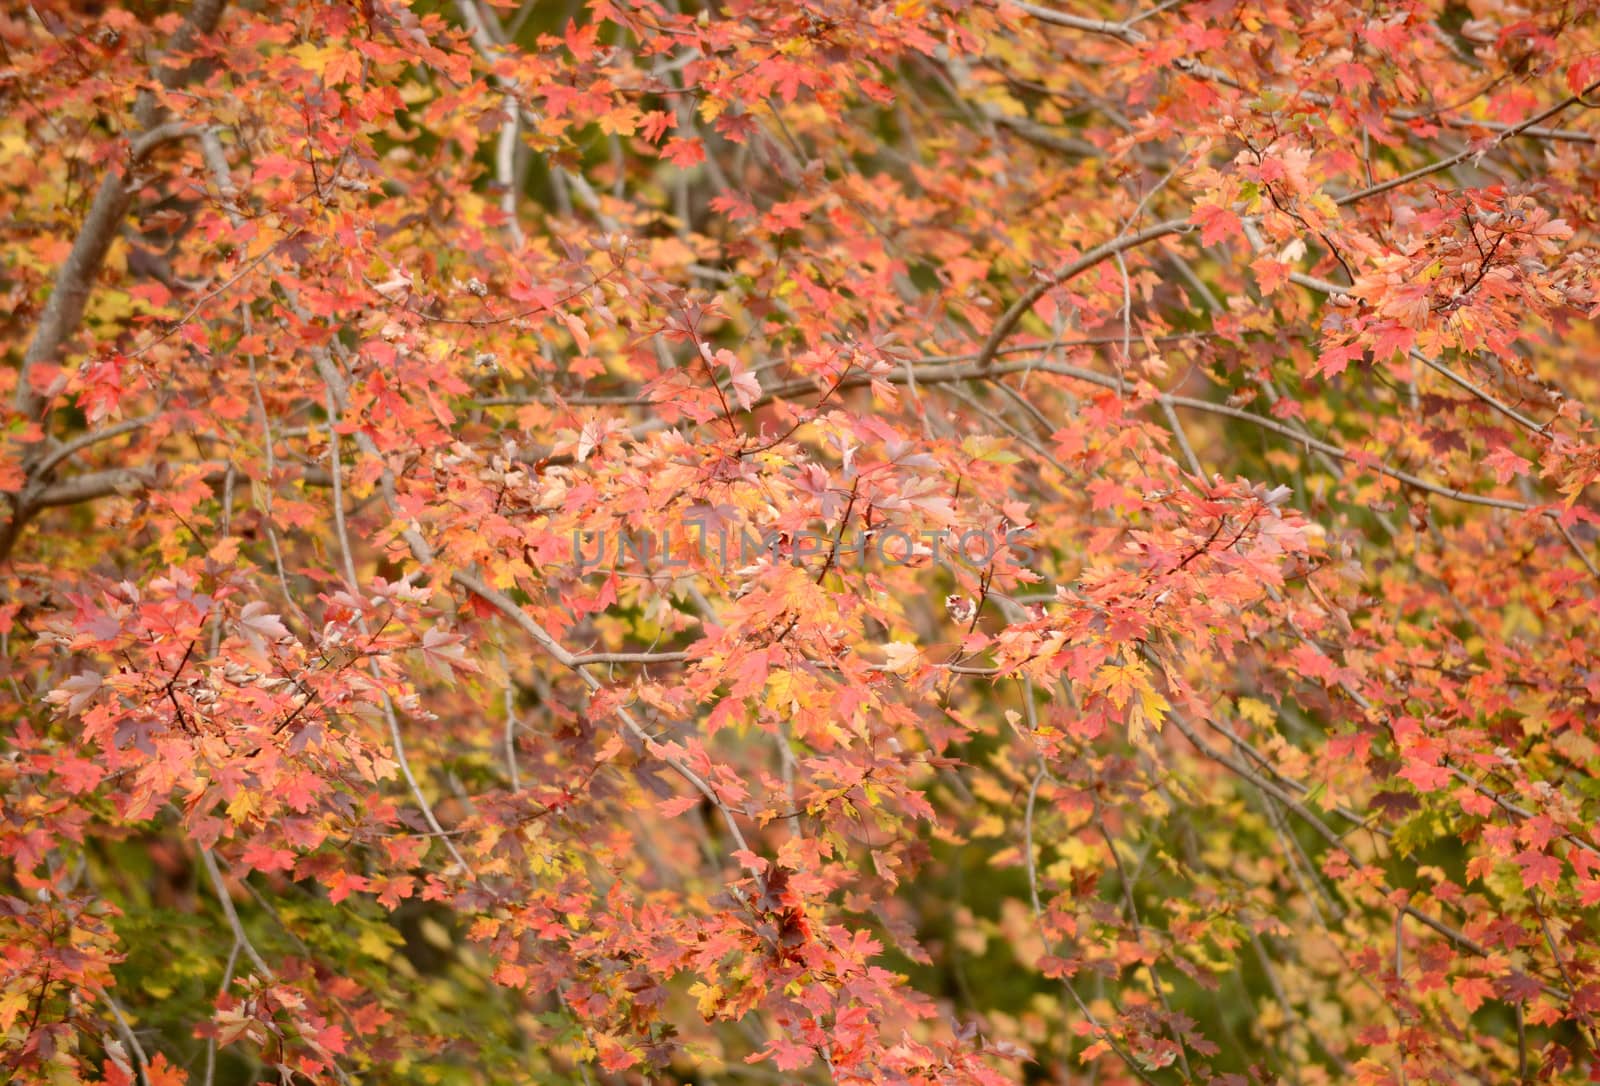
(938, 541)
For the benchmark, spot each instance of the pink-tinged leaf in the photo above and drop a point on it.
(1473, 991)
(76, 692)
(678, 805)
(1272, 274)
(654, 124)
(1426, 778)
(614, 1056)
(786, 1055)
(1583, 74)
(273, 167)
(260, 626)
(589, 439)
(1333, 360)
(1217, 223)
(267, 858)
(1391, 338)
(1540, 871)
(446, 653)
(684, 153)
(341, 884)
(746, 388)
(78, 775)
(728, 711)
(1505, 464)
(580, 334)
(750, 861)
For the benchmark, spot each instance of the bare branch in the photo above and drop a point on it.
(1467, 152)
(1009, 319)
(1078, 22)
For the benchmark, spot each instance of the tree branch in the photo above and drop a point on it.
(1009, 319)
(76, 278)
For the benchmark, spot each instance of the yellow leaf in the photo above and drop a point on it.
(989, 449)
(224, 551)
(12, 1003)
(435, 934)
(242, 805)
(1154, 705)
(621, 121)
(372, 943)
(1137, 729)
(1256, 712)
(1117, 681)
(313, 58)
(109, 307)
(711, 108)
(707, 996)
(781, 692)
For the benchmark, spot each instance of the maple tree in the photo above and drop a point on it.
(946, 541)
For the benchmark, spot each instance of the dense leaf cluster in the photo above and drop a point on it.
(1168, 650)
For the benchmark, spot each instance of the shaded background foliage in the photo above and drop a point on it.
(1227, 367)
